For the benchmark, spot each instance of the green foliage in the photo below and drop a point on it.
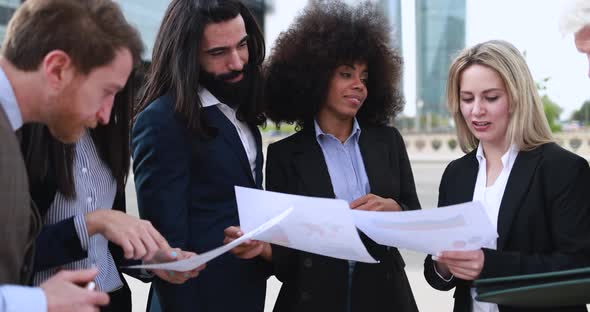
(552, 112)
(583, 114)
(552, 109)
(283, 128)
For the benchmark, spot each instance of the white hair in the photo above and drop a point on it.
(575, 17)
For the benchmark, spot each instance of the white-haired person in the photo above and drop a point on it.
(534, 192)
(576, 20)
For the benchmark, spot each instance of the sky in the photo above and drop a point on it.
(531, 25)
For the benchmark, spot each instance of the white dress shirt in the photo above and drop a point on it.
(15, 298)
(491, 198)
(244, 132)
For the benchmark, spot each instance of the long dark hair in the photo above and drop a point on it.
(51, 161)
(175, 67)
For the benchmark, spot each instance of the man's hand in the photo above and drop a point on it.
(372, 202)
(138, 238)
(65, 292)
(465, 265)
(250, 248)
(175, 254)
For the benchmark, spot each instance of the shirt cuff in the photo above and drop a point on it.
(441, 277)
(19, 298)
(82, 231)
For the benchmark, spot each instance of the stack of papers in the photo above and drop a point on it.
(328, 227)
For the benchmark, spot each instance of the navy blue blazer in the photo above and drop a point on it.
(185, 187)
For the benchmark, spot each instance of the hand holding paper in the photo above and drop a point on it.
(466, 265)
(198, 260)
(250, 248)
(174, 277)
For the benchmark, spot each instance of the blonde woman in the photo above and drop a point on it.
(535, 192)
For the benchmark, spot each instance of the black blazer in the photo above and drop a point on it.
(543, 224)
(185, 187)
(311, 282)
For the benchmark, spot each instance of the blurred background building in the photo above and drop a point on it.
(429, 33)
(7, 8)
(146, 15)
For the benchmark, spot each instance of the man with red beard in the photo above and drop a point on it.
(194, 138)
(61, 64)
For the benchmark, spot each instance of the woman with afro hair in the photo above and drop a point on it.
(335, 75)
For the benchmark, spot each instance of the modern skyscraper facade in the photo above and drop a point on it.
(431, 33)
(440, 34)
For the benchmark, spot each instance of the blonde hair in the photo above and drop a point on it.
(575, 17)
(528, 126)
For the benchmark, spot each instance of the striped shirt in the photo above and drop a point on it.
(95, 189)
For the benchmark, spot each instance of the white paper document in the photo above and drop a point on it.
(196, 261)
(459, 227)
(318, 225)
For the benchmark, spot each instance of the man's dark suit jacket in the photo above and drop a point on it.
(311, 282)
(544, 219)
(19, 219)
(185, 187)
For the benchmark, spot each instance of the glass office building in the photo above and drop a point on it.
(440, 34)
(7, 8)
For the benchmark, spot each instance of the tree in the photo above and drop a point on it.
(583, 114)
(552, 110)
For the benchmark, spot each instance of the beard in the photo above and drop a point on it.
(232, 94)
(64, 121)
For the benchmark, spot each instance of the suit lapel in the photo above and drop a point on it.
(516, 189)
(374, 152)
(465, 184)
(259, 156)
(230, 134)
(310, 162)
(460, 189)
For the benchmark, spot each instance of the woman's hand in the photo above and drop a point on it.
(372, 202)
(466, 265)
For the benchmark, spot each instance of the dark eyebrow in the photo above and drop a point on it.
(351, 66)
(243, 39)
(220, 49)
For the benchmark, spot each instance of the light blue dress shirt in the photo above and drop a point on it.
(347, 172)
(17, 298)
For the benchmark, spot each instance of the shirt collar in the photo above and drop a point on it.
(506, 158)
(9, 103)
(356, 131)
(207, 98)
